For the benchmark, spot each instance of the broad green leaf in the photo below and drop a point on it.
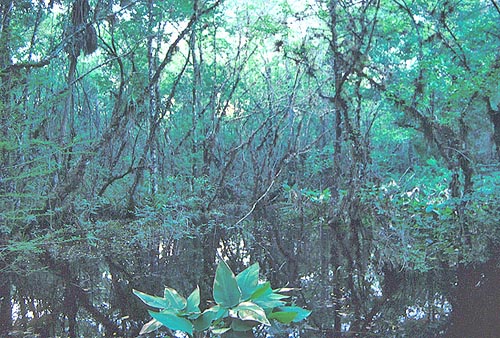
(175, 300)
(239, 325)
(172, 321)
(208, 316)
(150, 326)
(251, 311)
(204, 321)
(261, 290)
(221, 331)
(193, 301)
(265, 297)
(219, 311)
(226, 290)
(301, 313)
(248, 280)
(283, 317)
(153, 301)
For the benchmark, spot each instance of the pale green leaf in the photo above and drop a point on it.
(261, 289)
(248, 280)
(193, 301)
(150, 326)
(283, 317)
(251, 311)
(221, 331)
(175, 300)
(172, 321)
(265, 297)
(153, 301)
(226, 290)
(301, 313)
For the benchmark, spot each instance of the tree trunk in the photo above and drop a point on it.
(70, 302)
(153, 102)
(5, 304)
(5, 60)
(494, 113)
(5, 33)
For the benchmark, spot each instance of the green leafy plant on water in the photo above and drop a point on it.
(242, 302)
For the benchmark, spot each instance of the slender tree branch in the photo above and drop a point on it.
(258, 200)
(497, 7)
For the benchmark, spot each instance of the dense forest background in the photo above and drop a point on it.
(351, 147)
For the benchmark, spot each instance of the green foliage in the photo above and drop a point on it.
(226, 290)
(248, 280)
(328, 140)
(242, 302)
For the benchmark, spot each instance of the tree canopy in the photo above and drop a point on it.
(350, 147)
